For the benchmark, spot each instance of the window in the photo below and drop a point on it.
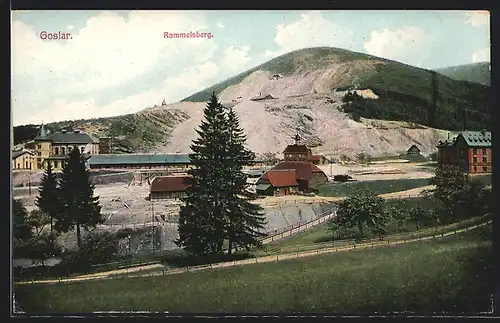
(475, 169)
(26, 163)
(484, 151)
(474, 160)
(56, 164)
(69, 149)
(462, 152)
(18, 166)
(485, 168)
(56, 150)
(82, 149)
(38, 146)
(474, 151)
(63, 150)
(38, 153)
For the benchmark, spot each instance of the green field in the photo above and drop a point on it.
(451, 274)
(376, 187)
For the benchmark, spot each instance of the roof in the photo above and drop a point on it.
(262, 97)
(472, 139)
(477, 138)
(262, 187)
(19, 153)
(127, 159)
(281, 178)
(73, 138)
(413, 147)
(296, 149)
(303, 170)
(315, 157)
(168, 184)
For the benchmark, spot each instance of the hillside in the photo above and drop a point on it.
(395, 106)
(132, 132)
(476, 72)
(405, 93)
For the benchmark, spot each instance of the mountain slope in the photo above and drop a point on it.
(132, 132)
(405, 93)
(476, 72)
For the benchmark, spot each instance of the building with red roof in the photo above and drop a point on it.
(278, 182)
(297, 163)
(168, 187)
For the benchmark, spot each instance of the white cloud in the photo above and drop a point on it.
(109, 50)
(482, 55)
(70, 27)
(220, 25)
(312, 30)
(405, 44)
(172, 88)
(477, 18)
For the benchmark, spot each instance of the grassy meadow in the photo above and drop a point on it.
(453, 274)
(376, 187)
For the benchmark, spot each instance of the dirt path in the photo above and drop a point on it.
(263, 259)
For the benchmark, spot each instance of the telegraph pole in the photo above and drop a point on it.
(153, 223)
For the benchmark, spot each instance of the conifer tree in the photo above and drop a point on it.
(202, 216)
(245, 220)
(47, 200)
(78, 207)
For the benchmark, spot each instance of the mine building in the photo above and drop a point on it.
(297, 161)
(168, 187)
(470, 150)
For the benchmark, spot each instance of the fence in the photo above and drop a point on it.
(289, 230)
(154, 271)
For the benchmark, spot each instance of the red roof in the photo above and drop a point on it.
(281, 178)
(168, 184)
(303, 170)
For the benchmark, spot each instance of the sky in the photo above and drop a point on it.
(119, 62)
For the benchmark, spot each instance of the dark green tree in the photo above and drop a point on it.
(245, 220)
(78, 207)
(417, 215)
(21, 225)
(22, 232)
(364, 210)
(202, 218)
(48, 200)
(400, 216)
(432, 216)
(451, 187)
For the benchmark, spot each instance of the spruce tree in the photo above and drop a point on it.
(21, 229)
(47, 200)
(245, 220)
(78, 207)
(202, 216)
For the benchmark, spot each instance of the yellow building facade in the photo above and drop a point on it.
(23, 160)
(54, 148)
